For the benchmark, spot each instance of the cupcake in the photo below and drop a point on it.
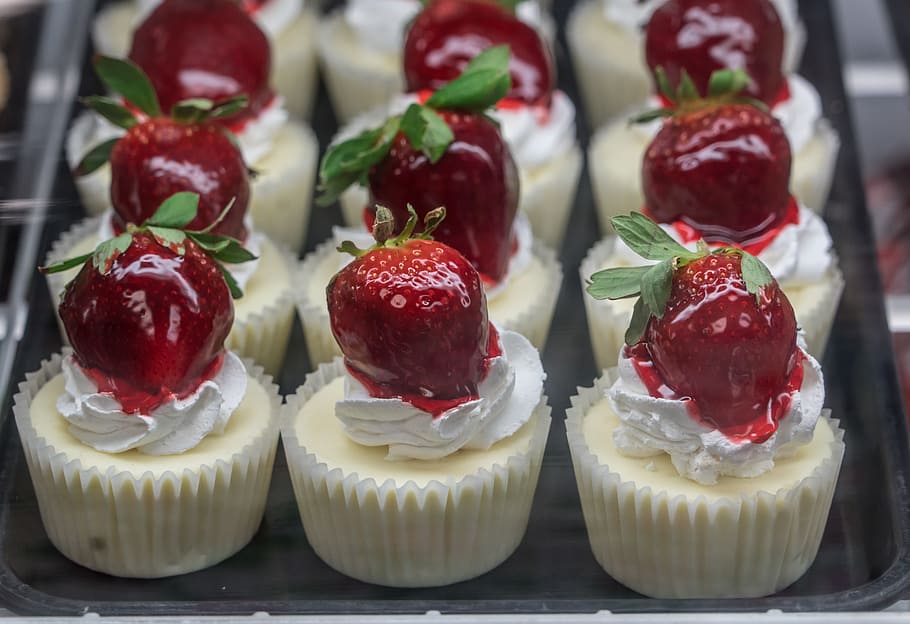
(360, 48)
(606, 42)
(705, 463)
(616, 149)
(187, 152)
(175, 41)
(737, 196)
(414, 461)
(536, 119)
(148, 429)
(444, 152)
(290, 26)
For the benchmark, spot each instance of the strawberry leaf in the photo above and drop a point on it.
(647, 239)
(228, 107)
(727, 82)
(232, 284)
(233, 253)
(211, 243)
(224, 213)
(349, 162)
(617, 283)
(656, 285)
(65, 265)
(481, 85)
(106, 252)
(657, 113)
(755, 274)
(192, 110)
(687, 91)
(663, 84)
(126, 78)
(176, 211)
(170, 238)
(96, 158)
(638, 324)
(112, 110)
(427, 131)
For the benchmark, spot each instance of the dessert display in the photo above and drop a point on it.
(679, 37)
(174, 47)
(414, 460)
(360, 48)
(149, 428)
(607, 45)
(718, 170)
(290, 25)
(704, 462)
(186, 151)
(444, 152)
(536, 119)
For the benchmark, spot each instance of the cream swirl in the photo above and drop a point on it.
(97, 418)
(651, 426)
(273, 16)
(508, 394)
(801, 253)
(536, 135)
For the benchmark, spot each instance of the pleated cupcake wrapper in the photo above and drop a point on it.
(607, 322)
(533, 323)
(548, 193)
(813, 188)
(147, 526)
(294, 64)
(94, 189)
(353, 87)
(676, 547)
(403, 535)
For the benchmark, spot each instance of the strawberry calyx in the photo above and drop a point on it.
(167, 227)
(140, 103)
(725, 87)
(484, 82)
(384, 228)
(652, 284)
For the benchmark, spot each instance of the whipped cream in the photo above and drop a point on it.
(536, 135)
(272, 17)
(97, 418)
(801, 253)
(651, 426)
(518, 263)
(512, 388)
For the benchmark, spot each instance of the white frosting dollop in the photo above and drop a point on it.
(508, 394)
(651, 426)
(537, 136)
(97, 418)
(801, 253)
(273, 17)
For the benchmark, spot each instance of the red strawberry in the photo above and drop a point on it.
(702, 36)
(722, 169)
(160, 157)
(204, 49)
(411, 320)
(476, 180)
(153, 325)
(449, 33)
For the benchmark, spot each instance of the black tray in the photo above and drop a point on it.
(863, 562)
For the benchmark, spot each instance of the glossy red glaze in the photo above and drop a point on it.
(153, 325)
(160, 157)
(702, 36)
(413, 322)
(204, 49)
(447, 34)
(476, 180)
(732, 356)
(723, 170)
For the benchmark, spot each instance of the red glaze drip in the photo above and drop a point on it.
(137, 401)
(436, 407)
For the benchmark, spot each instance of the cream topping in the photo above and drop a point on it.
(537, 135)
(508, 394)
(97, 418)
(651, 426)
(272, 17)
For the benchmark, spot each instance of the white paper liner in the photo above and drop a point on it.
(94, 189)
(294, 63)
(533, 322)
(812, 183)
(144, 526)
(354, 86)
(261, 336)
(750, 547)
(608, 320)
(402, 535)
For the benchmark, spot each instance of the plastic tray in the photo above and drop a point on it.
(862, 563)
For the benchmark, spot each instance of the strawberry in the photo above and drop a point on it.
(712, 327)
(159, 156)
(447, 34)
(410, 316)
(702, 36)
(148, 314)
(719, 165)
(207, 49)
(443, 153)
